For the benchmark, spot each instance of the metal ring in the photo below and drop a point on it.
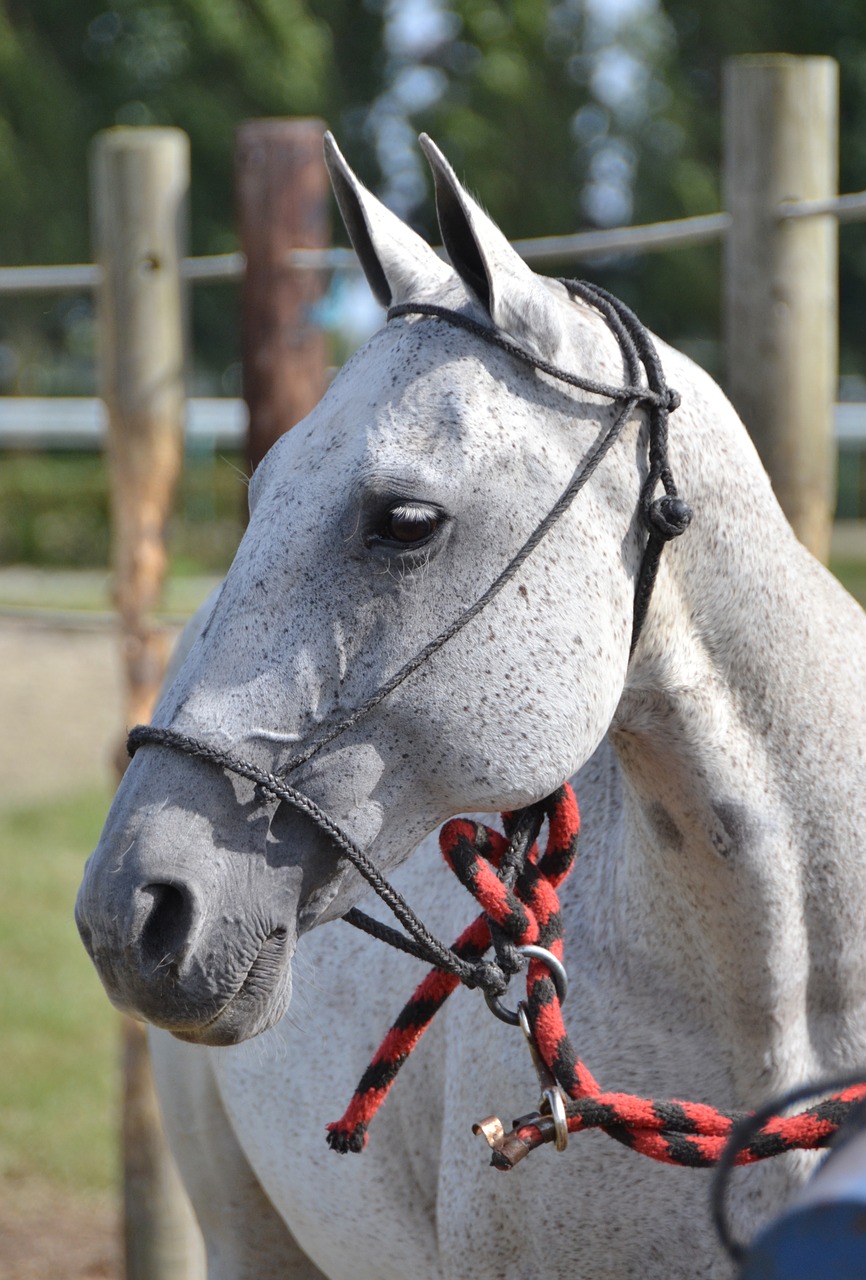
(495, 1005)
(556, 968)
(557, 973)
(554, 1099)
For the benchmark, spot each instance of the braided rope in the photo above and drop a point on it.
(480, 974)
(473, 851)
(672, 1131)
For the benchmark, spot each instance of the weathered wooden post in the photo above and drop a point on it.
(781, 307)
(140, 184)
(282, 200)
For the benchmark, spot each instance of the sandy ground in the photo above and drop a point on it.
(46, 1235)
(60, 706)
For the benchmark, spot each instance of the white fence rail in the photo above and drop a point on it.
(81, 422)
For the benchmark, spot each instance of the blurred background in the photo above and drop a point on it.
(561, 116)
(577, 114)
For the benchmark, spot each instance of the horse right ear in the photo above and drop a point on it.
(398, 264)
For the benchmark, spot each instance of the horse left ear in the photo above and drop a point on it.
(515, 298)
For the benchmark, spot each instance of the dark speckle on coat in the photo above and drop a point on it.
(738, 828)
(664, 826)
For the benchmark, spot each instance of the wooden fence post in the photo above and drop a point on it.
(282, 200)
(140, 183)
(781, 307)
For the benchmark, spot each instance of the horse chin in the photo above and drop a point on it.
(257, 1005)
(233, 1025)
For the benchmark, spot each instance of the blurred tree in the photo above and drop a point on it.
(609, 111)
(710, 32)
(68, 70)
(560, 113)
(561, 116)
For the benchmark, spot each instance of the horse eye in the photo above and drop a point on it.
(411, 524)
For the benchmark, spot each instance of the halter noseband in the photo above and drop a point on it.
(664, 518)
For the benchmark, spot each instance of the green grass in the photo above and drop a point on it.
(60, 1037)
(54, 511)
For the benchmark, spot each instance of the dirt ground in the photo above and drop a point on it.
(46, 1235)
(60, 695)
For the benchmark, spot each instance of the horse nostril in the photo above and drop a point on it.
(166, 930)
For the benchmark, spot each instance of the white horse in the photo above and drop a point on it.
(714, 922)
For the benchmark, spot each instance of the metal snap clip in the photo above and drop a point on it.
(552, 1102)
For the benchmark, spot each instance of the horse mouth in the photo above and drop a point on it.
(258, 1002)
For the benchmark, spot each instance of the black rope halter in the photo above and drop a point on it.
(664, 517)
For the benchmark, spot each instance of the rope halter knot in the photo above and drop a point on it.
(669, 516)
(528, 915)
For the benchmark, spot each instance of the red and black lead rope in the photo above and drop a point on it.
(672, 1131)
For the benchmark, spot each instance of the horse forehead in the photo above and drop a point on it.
(416, 394)
(428, 373)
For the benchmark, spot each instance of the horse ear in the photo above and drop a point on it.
(515, 298)
(398, 264)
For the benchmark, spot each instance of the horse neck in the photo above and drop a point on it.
(741, 738)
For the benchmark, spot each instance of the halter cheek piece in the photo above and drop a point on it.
(664, 517)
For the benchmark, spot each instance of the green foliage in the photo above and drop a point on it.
(559, 113)
(545, 101)
(60, 1037)
(54, 511)
(529, 110)
(69, 70)
(707, 34)
(852, 574)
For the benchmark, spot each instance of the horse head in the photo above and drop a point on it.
(375, 524)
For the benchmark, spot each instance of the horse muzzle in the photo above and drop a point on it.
(209, 978)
